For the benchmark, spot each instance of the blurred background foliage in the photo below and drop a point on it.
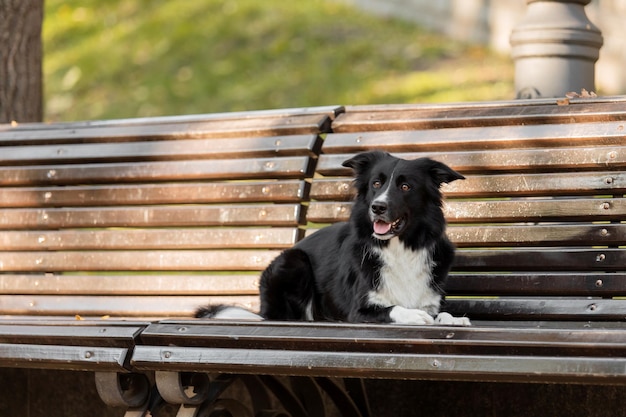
(132, 58)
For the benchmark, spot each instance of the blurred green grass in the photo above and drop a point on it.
(131, 58)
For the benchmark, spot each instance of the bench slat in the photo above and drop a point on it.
(376, 118)
(476, 186)
(479, 138)
(377, 338)
(563, 259)
(81, 358)
(161, 150)
(76, 333)
(151, 216)
(153, 260)
(383, 365)
(539, 309)
(538, 284)
(229, 169)
(179, 238)
(124, 284)
(534, 235)
(508, 160)
(519, 105)
(537, 235)
(330, 111)
(145, 307)
(277, 126)
(120, 195)
(606, 209)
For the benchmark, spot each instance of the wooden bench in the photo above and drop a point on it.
(146, 219)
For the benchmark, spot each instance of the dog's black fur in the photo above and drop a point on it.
(386, 264)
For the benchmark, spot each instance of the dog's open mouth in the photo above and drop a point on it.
(384, 230)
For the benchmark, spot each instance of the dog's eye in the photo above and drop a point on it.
(405, 187)
(377, 184)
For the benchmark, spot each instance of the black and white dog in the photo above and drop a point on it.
(387, 264)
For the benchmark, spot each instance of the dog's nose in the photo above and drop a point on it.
(379, 207)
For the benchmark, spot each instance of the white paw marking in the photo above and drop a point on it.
(448, 319)
(403, 315)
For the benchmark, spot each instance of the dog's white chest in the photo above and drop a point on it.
(405, 279)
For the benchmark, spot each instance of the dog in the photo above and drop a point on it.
(387, 264)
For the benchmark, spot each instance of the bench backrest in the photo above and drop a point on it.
(539, 221)
(154, 217)
(150, 217)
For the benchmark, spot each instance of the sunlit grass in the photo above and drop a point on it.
(142, 58)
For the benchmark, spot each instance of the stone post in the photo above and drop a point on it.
(555, 48)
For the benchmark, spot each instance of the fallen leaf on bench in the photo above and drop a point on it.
(583, 94)
(77, 317)
(563, 102)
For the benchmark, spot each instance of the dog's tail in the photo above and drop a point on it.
(221, 311)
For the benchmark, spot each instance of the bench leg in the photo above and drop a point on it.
(130, 391)
(200, 395)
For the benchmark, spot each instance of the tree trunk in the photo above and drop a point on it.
(21, 87)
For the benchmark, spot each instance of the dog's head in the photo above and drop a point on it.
(400, 196)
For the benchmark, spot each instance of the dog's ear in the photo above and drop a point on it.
(441, 173)
(362, 162)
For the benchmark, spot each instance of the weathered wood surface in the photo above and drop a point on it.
(147, 217)
(150, 218)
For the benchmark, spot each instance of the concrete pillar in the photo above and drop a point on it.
(555, 48)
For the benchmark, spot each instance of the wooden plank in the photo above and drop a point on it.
(153, 307)
(567, 340)
(177, 238)
(479, 138)
(538, 235)
(533, 235)
(516, 105)
(382, 365)
(77, 358)
(599, 158)
(77, 333)
(517, 185)
(219, 128)
(557, 210)
(539, 309)
(149, 260)
(365, 337)
(137, 172)
(171, 193)
(124, 284)
(563, 259)
(379, 118)
(519, 210)
(330, 111)
(538, 284)
(151, 216)
(153, 150)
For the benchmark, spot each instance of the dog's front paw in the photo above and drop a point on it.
(448, 319)
(403, 315)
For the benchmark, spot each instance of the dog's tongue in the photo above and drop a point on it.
(381, 228)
